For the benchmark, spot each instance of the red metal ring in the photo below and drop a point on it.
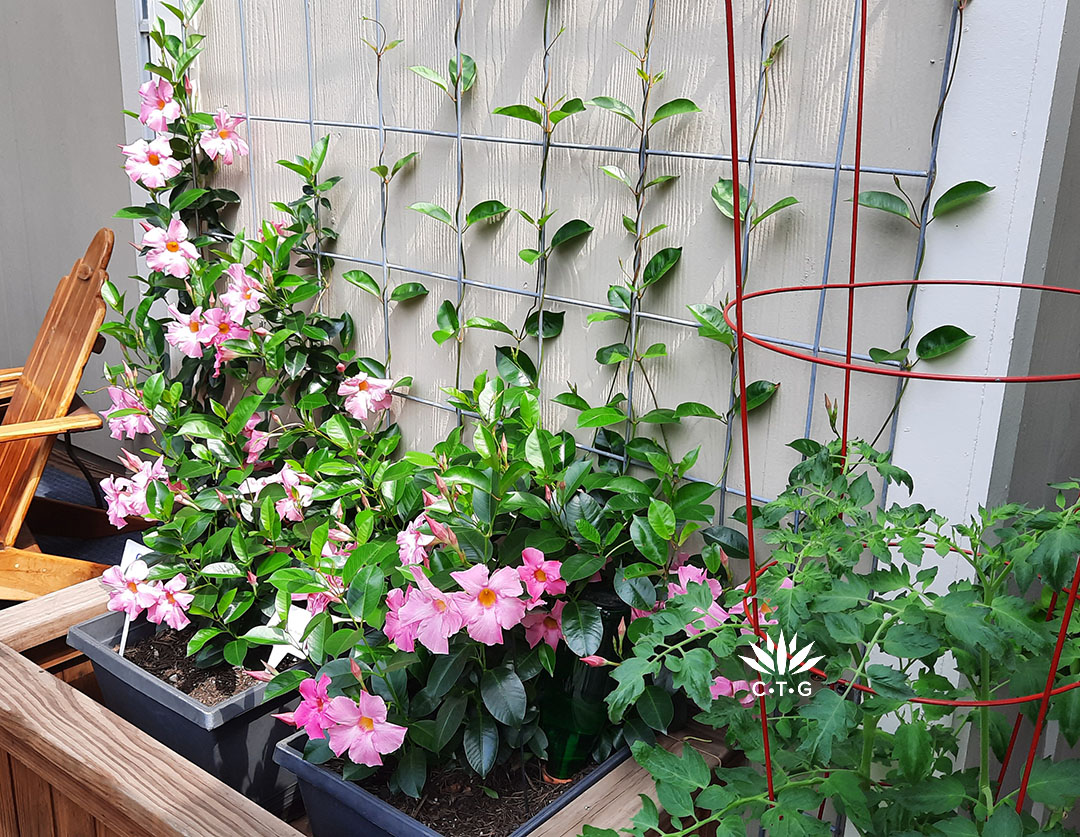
(888, 371)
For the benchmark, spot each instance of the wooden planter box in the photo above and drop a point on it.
(71, 768)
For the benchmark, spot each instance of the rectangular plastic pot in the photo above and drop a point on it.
(233, 740)
(336, 807)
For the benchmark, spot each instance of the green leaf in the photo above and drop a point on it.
(660, 264)
(615, 106)
(940, 796)
(712, 323)
(960, 195)
(1055, 555)
(783, 203)
(186, 199)
(468, 72)
(723, 195)
(486, 211)
(908, 642)
(515, 366)
(488, 324)
(886, 202)
(618, 174)
(1004, 822)
(553, 324)
(529, 256)
(447, 722)
(661, 519)
(447, 317)
(408, 290)
(481, 742)
(694, 408)
(940, 341)
(582, 627)
(888, 682)
(568, 108)
(529, 114)
(648, 542)
(674, 108)
(912, 750)
(1055, 784)
(757, 393)
(433, 211)
(504, 695)
(884, 355)
(432, 76)
(615, 353)
(578, 567)
(402, 162)
(832, 718)
(363, 280)
(569, 231)
(601, 417)
(656, 708)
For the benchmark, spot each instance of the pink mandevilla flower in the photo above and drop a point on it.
(128, 590)
(150, 163)
(217, 327)
(171, 604)
(223, 141)
(365, 395)
(243, 295)
(541, 626)
(127, 427)
(312, 712)
(490, 605)
(540, 576)
(169, 249)
(436, 614)
(723, 687)
(158, 107)
(361, 729)
(413, 544)
(400, 632)
(257, 440)
(715, 615)
(185, 332)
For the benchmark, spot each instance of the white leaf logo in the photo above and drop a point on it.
(781, 658)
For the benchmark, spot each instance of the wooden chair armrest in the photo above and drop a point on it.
(48, 617)
(10, 375)
(82, 419)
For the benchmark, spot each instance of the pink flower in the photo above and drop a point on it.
(116, 497)
(169, 249)
(436, 615)
(171, 604)
(243, 295)
(543, 626)
(217, 328)
(319, 602)
(540, 576)
(363, 730)
(132, 424)
(595, 662)
(400, 632)
(223, 140)
(257, 440)
(490, 604)
(365, 395)
(158, 108)
(150, 163)
(129, 593)
(715, 615)
(412, 544)
(312, 713)
(722, 687)
(127, 497)
(297, 495)
(185, 331)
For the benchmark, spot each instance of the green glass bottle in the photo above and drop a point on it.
(572, 710)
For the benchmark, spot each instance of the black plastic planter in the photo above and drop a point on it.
(233, 740)
(336, 807)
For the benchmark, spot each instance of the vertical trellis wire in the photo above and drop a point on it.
(545, 149)
(460, 154)
(245, 72)
(384, 196)
(310, 56)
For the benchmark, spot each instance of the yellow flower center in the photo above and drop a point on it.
(540, 575)
(194, 325)
(366, 724)
(223, 134)
(550, 624)
(153, 159)
(161, 104)
(172, 246)
(486, 597)
(440, 605)
(133, 587)
(362, 386)
(223, 328)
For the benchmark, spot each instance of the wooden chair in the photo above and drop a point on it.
(42, 403)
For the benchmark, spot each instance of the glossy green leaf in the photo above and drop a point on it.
(529, 114)
(659, 265)
(674, 108)
(615, 353)
(615, 106)
(408, 290)
(504, 695)
(601, 417)
(570, 231)
(886, 202)
(941, 341)
(959, 196)
(783, 203)
(582, 627)
(553, 324)
(433, 211)
(486, 211)
(432, 76)
(758, 393)
(723, 195)
(363, 280)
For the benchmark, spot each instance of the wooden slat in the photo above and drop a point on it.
(10, 375)
(121, 776)
(71, 820)
(9, 827)
(74, 423)
(50, 378)
(614, 800)
(49, 617)
(33, 801)
(26, 575)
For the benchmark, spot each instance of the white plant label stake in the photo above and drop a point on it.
(133, 550)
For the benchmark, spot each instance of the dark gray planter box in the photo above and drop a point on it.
(233, 740)
(336, 807)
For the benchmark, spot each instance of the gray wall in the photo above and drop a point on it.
(60, 122)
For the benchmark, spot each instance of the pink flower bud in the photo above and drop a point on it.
(224, 500)
(429, 499)
(265, 676)
(438, 531)
(252, 580)
(440, 483)
(340, 367)
(595, 661)
(357, 672)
